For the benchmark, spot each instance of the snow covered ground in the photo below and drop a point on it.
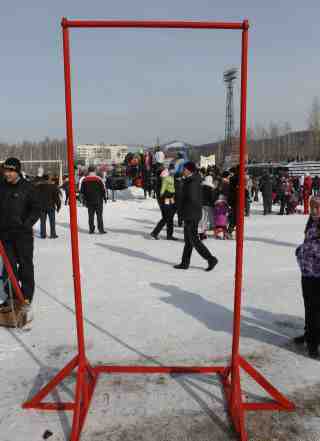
(138, 309)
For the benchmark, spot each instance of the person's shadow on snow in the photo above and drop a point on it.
(139, 255)
(264, 326)
(269, 241)
(133, 253)
(141, 221)
(128, 232)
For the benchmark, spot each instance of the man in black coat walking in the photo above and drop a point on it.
(94, 193)
(20, 209)
(191, 212)
(51, 202)
(266, 190)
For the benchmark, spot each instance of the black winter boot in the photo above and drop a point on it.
(181, 266)
(211, 264)
(299, 340)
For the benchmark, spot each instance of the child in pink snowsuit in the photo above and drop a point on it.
(220, 217)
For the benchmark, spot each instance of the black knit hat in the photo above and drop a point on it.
(12, 164)
(191, 166)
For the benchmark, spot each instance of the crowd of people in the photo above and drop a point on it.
(289, 192)
(204, 200)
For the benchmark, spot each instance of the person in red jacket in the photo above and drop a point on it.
(94, 193)
(307, 192)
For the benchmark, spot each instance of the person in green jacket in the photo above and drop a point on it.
(167, 205)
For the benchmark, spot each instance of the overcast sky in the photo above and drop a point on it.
(130, 86)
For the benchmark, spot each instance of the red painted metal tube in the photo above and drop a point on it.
(160, 369)
(151, 24)
(53, 406)
(12, 277)
(266, 385)
(85, 409)
(73, 201)
(241, 200)
(76, 421)
(65, 372)
(252, 407)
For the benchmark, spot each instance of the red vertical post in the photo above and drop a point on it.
(241, 207)
(73, 200)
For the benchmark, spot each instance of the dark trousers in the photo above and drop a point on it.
(168, 212)
(247, 206)
(192, 240)
(284, 204)
(147, 192)
(20, 255)
(98, 211)
(267, 204)
(311, 297)
(255, 194)
(113, 195)
(232, 219)
(51, 213)
(180, 219)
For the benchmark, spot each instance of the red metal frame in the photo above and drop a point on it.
(87, 375)
(11, 276)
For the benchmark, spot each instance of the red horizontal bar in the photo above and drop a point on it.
(152, 24)
(266, 406)
(160, 369)
(50, 406)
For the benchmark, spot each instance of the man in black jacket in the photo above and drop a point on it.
(51, 202)
(191, 212)
(94, 193)
(20, 209)
(266, 190)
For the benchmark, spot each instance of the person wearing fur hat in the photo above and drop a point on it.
(20, 209)
(167, 204)
(308, 256)
(191, 214)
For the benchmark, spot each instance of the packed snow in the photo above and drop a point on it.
(138, 309)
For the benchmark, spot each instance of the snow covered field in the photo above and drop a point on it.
(138, 309)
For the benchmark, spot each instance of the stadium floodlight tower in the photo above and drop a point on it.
(229, 77)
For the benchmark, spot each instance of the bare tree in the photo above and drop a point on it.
(274, 130)
(314, 115)
(287, 129)
(314, 124)
(260, 132)
(48, 149)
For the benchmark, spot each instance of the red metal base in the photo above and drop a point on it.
(87, 378)
(85, 385)
(15, 285)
